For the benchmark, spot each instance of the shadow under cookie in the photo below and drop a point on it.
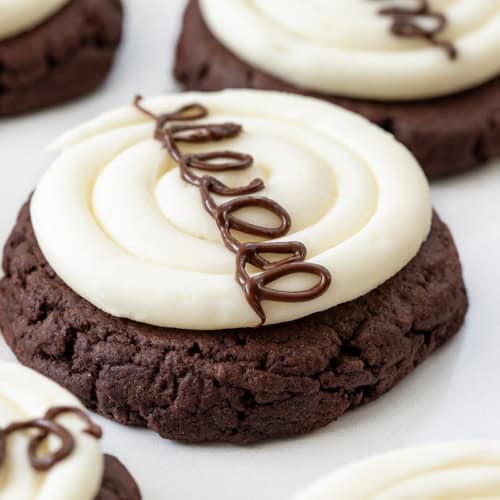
(447, 135)
(240, 385)
(67, 56)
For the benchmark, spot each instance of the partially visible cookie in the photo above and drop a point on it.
(34, 411)
(448, 134)
(466, 470)
(117, 483)
(64, 52)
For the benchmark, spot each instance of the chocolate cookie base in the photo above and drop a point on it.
(234, 385)
(117, 483)
(67, 56)
(447, 135)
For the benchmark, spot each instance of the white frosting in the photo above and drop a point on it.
(24, 395)
(345, 47)
(17, 16)
(465, 471)
(120, 227)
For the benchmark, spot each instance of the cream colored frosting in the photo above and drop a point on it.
(120, 227)
(17, 16)
(465, 471)
(345, 47)
(24, 395)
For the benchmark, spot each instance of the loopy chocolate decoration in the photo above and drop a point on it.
(48, 426)
(405, 24)
(255, 287)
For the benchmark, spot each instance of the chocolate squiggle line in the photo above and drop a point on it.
(254, 287)
(48, 426)
(404, 25)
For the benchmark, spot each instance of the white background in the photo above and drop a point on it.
(454, 395)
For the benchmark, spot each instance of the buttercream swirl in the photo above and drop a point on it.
(348, 48)
(119, 225)
(463, 470)
(293, 253)
(62, 459)
(17, 16)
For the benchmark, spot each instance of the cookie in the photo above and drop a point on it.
(117, 483)
(452, 131)
(33, 409)
(133, 303)
(54, 51)
(469, 469)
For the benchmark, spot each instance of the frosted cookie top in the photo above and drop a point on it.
(17, 16)
(120, 226)
(68, 465)
(468, 470)
(378, 49)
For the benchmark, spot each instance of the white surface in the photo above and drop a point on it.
(452, 396)
(145, 227)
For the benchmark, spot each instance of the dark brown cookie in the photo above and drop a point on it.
(65, 57)
(447, 135)
(235, 385)
(117, 483)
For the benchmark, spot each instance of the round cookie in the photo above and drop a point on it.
(54, 51)
(447, 134)
(191, 369)
(71, 467)
(467, 470)
(117, 483)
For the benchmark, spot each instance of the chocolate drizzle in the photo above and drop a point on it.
(48, 426)
(405, 24)
(294, 253)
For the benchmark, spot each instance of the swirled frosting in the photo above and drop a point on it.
(465, 471)
(347, 48)
(17, 16)
(25, 395)
(120, 227)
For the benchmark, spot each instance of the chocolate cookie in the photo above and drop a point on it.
(66, 56)
(50, 447)
(448, 134)
(237, 385)
(117, 483)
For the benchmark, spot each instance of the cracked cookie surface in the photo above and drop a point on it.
(241, 385)
(65, 57)
(447, 135)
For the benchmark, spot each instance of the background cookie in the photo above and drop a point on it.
(117, 483)
(67, 55)
(49, 447)
(469, 469)
(447, 134)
